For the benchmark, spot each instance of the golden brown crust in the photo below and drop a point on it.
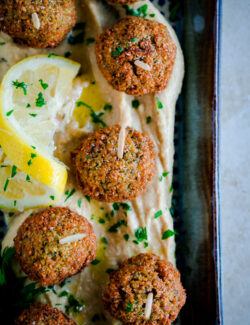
(126, 294)
(56, 20)
(130, 41)
(43, 314)
(40, 254)
(105, 177)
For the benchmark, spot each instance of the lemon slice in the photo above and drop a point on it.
(31, 95)
(19, 191)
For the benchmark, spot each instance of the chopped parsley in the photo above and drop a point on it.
(77, 34)
(171, 189)
(126, 237)
(148, 119)
(145, 244)
(63, 294)
(6, 184)
(69, 194)
(32, 156)
(95, 262)
(2, 43)
(90, 40)
(139, 12)
(152, 15)
(134, 39)
(52, 197)
(109, 271)
(28, 179)
(40, 100)
(141, 234)
(79, 202)
(118, 51)
(96, 118)
(43, 84)
(135, 103)
(158, 214)
(11, 214)
(117, 225)
(21, 85)
(107, 107)
(101, 220)
(87, 198)
(67, 54)
(28, 105)
(159, 103)
(52, 54)
(13, 174)
(32, 115)
(73, 304)
(115, 206)
(9, 112)
(129, 307)
(165, 174)
(124, 206)
(104, 240)
(168, 233)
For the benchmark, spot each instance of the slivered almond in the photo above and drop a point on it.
(142, 65)
(72, 238)
(35, 20)
(149, 304)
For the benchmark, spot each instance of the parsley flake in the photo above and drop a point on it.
(79, 202)
(129, 307)
(126, 237)
(159, 103)
(139, 12)
(40, 100)
(2, 43)
(141, 234)
(90, 40)
(118, 51)
(21, 85)
(43, 84)
(135, 103)
(69, 194)
(148, 119)
(158, 214)
(168, 233)
(117, 225)
(52, 54)
(165, 174)
(107, 107)
(9, 112)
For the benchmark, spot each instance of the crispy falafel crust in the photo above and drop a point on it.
(136, 39)
(105, 177)
(136, 278)
(43, 314)
(39, 252)
(56, 20)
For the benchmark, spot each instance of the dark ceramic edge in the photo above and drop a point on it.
(216, 160)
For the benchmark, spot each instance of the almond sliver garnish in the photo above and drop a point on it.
(72, 238)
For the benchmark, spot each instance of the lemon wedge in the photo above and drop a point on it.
(31, 95)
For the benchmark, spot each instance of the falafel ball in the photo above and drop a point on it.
(37, 23)
(54, 244)
(105, 177)
(43, 314)
(136, 55)
(127, 296)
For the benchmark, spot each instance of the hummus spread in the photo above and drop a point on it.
(89, 284)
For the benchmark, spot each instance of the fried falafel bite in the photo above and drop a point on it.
(54, 244)
(43, 314)
(37, 23)
(105, 177)
(145, 290)
(136, 55)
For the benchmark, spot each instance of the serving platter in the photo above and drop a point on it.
(195, 204)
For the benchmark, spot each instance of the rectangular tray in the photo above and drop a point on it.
(196, 164)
